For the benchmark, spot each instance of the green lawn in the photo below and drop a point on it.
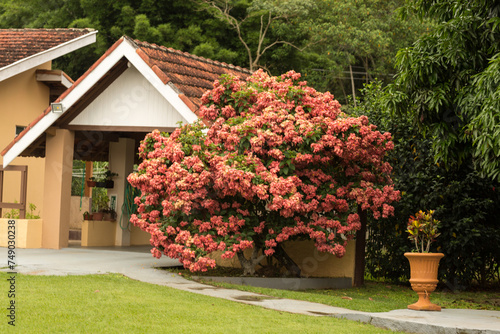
(115, 304)
(381, 297)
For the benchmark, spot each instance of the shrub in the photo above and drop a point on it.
(278, 162)
(466, 205)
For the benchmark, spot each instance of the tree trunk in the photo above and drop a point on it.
(286, 261)
(359, 262)
(249, 265)
(352, 86)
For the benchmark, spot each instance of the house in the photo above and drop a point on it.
(27, 86)
(134, 88)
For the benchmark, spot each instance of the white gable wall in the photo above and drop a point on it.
(130, 101)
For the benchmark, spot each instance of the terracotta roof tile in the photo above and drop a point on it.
(17, 44)
(190, 74)
(62, 96)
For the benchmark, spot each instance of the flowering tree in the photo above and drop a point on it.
(278, 162)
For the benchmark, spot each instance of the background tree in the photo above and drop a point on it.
(448, 82)
(465, 203)
(274, 34)
(359, 40)
(174, 24)
(280, 162)
(262, 24)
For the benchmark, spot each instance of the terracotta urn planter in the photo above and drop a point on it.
(423, 278)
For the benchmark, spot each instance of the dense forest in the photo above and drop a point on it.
(333, 43)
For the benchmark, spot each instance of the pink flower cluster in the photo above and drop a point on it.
(278, 162)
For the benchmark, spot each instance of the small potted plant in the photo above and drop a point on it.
(108, 179)
(109, 214)
(99, 204)
(423, 230)
(87, 216)
(91, 182)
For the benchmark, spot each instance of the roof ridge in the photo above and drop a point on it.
(47, 29)
(190, 55)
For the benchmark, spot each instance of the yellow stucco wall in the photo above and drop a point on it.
(138, 236)
(98, 233)
(76, 212)
(318, 264)
(23, 99)
(57, 194)
(28, 233)
(311, 262)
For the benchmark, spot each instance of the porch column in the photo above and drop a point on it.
(121, 161)
(57, 190)
(87, 191)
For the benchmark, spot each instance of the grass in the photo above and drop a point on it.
(116, 304)
(377, 296)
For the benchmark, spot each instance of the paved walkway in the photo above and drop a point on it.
(138, 264)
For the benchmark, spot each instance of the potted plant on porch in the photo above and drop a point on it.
(91, 182)
(87, 216)
(109, 214)
(106, 179)
(99, 204)
(423, 230)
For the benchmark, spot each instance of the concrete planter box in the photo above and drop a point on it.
(285, 283)
(312, 263)
(138, 237)
(28, 233)
(98, 233)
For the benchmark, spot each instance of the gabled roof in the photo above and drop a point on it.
(181, 78)
(22, 49)
(191, 74)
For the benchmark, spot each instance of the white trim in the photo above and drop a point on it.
(54, 77)
(21, 145)
(47, 55)
(129, 101)
(165, 90)
(125, 49)
(68, 101)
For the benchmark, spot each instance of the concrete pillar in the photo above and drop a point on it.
(121, 161)
(87, 191)
(57, 190)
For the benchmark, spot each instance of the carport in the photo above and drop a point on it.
(134, 88)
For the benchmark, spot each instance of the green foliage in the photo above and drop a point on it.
(423, 230)
(77, 181)
(100, 200)
(144, 31)
(205, 50)
(319, 38)
(170, 23)
(363, 33)
(482, 100)
(14, 213)
(374, 296)
(448, 82)
(266, 32)
(465, 203)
